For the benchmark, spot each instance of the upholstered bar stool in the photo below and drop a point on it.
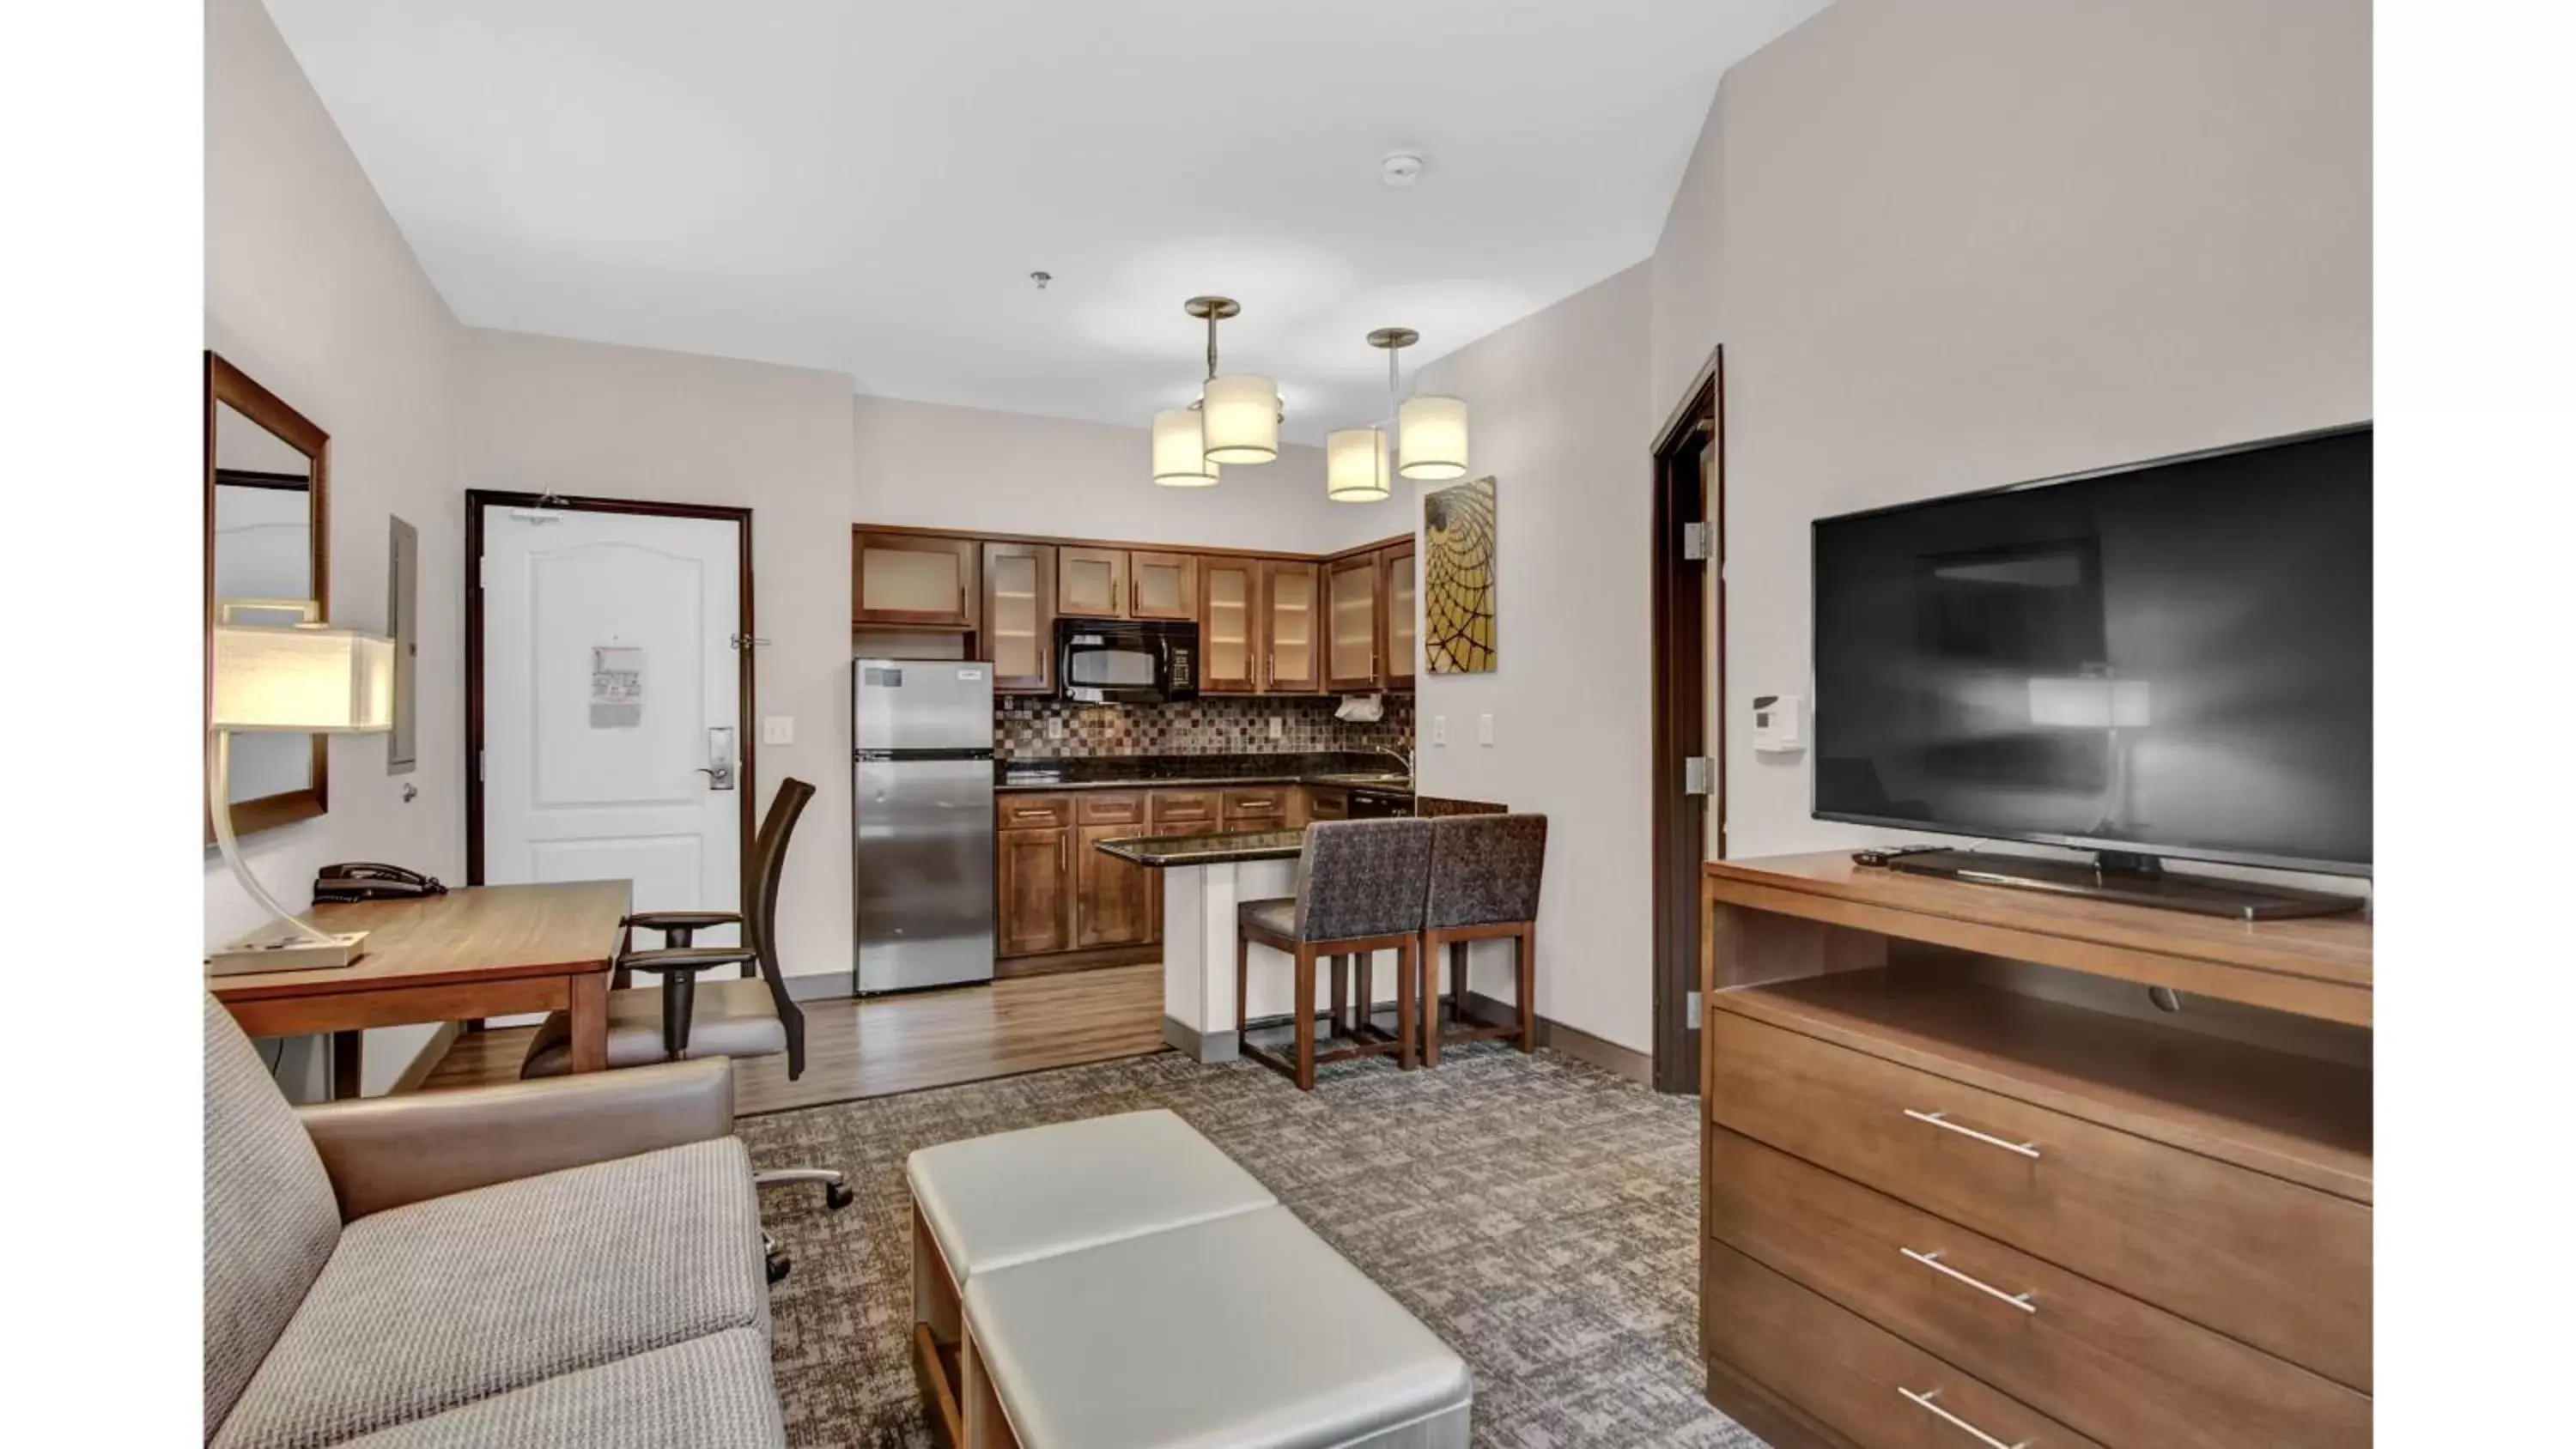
(1485, 873)
(1360, 887)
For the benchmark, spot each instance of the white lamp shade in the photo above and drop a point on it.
(1180, 457)
(1241, 416)
(305, 680)
(1431, 439)
(1355, 466)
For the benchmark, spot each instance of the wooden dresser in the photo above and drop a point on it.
(1965, 1183)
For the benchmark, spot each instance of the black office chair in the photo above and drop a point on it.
(685, 1017)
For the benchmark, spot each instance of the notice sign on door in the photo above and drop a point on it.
(616, 687)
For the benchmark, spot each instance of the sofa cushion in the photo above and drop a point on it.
(271, 1221)
(1012, 1196)
(441, 1303)
(705, 1393)
(1246, 1329)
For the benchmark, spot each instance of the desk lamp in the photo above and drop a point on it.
(308, 678)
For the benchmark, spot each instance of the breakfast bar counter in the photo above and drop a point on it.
(1204, 877)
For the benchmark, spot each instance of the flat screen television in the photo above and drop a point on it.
(2166, 659)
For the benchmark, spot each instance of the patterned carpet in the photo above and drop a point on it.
(1538, 1213)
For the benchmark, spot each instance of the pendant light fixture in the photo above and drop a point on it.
(1180, 451)
(1355, 461)
(1238, 415)
(1432, 438)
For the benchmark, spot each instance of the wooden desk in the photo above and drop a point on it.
(479, 951)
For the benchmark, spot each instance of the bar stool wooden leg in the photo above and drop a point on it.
(1364, 988)
(1458, 982)
(1242, 980)
(1527, 950)
(1339, 965)
(1305, 1011)
(1427, 961)
(1406, 964)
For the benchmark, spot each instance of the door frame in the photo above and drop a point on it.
(745, 737)
(1686, 643)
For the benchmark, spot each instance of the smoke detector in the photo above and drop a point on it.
(1399, 168)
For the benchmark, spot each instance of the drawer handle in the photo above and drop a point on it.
(1942, 1121)
(1933, 1262)
(1924, 1400)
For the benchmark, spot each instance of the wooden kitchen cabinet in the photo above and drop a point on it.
(1032, 894)
(912, 580)
(1396, 609)
(1292, 653)
(1113, 899)
(1355, 607)
(1162, 585)
(1230, 647)
(1091, 583)
(1019, 616)
(1262, 807)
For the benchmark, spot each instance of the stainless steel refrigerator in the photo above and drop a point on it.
(922, 771)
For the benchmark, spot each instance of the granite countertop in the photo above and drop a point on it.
(1160, 852)
(1345, 770)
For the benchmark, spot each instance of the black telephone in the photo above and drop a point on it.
(360, 880)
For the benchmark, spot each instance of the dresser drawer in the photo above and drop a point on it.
(1186, 807)
(1265, 809)
(1859, 1380)
(1031, 812)
(2123, 1371)
(1103, 807)
(2283, 1267)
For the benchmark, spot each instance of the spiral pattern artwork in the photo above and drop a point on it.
(1458, 578)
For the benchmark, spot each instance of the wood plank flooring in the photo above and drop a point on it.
(903, 1043)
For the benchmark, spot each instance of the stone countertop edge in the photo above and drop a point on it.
(1162, 852)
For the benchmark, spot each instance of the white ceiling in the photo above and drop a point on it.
(864, 185)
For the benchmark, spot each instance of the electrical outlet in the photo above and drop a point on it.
(778, 729)
(1484, 729)
(1278, 727)
(1440, 729)
(1055, 727)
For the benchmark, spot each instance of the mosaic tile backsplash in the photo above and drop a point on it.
(1212, 725)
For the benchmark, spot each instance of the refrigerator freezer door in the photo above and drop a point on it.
(922, 704)
(924, 872)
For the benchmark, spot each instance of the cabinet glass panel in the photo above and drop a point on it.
(1018, 652)
(1158, 589)
(1228, 645)
(1292, 626)
(1399, 615)
(1087, 584)
(1354, 636)
(910, 581)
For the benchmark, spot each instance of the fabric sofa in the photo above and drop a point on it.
(567, 1262)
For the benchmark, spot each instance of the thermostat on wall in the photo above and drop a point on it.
(1779, 724)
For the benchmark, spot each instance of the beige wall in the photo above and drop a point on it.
(312, 291)
(1966, 244)
(540, 413)
(936, 466)
(1558, 406)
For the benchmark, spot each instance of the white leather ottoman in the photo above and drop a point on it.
(1240, 1332)
(990, 1202)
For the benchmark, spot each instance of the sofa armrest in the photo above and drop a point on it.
(383, 1152)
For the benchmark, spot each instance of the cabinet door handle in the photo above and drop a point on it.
(1933, 1262)
(1062, 862)
(1942, 1121)
(1924, 1399)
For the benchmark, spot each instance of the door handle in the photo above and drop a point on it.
(720, 761)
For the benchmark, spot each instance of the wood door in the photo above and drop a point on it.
(1396, 608)
(1162, 585)
(1231, 647)
(1019, 616)
(912, 580)
(1031, 892)
(610, 701)
(1091, 583)
(1351, 637)
(1113, 899)
(1293, 656)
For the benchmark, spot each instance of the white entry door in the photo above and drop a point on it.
(612, 704)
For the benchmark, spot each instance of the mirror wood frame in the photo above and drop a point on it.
(229, 386)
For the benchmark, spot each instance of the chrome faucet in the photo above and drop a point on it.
(1405, 756)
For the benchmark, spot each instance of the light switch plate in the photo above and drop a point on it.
(778, 729)
(1278, 727)
(1484, 729)
(1440, 729)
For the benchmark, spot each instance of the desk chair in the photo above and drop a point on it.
(684, 1017)
(1360, 887)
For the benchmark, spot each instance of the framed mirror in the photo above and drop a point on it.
(268, 489)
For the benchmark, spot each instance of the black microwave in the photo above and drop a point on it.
(1126, 661)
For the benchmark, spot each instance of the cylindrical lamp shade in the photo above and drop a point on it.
(1431, 438)
(306, 680)
(1241, 416)
(1180, 457)
(1355, 466)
